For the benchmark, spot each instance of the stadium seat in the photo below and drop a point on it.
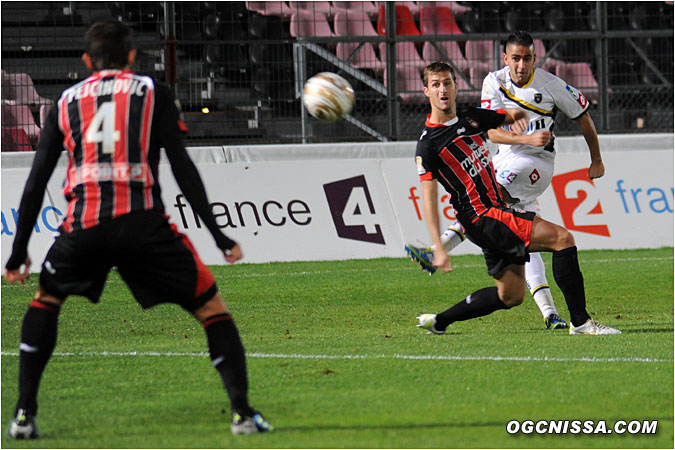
(481, 58)
(455, 7)
(412, 6)
(471, 21)
(581, 77)
(280, 9)
(20, 116)
(15, 139)
(477, 74)
(18, 88)
(514, 21)
(406, 55)
(354, 23)
(451, 49)
(322, 7)
(545, 62)
(368, 8)
(405, 24)
(310, 24)
(438, 20)
(409, 85)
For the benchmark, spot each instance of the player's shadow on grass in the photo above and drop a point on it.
(389, 427)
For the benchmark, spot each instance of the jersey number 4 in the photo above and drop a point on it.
(101, 129)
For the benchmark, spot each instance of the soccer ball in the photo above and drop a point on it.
(328, 96)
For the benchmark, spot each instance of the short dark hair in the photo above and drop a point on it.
(108, 43)
(520, 38)
(436, 67)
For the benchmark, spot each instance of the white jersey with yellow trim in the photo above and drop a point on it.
(541, 97)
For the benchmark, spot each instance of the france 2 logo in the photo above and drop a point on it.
(353, 210)
(579, 203)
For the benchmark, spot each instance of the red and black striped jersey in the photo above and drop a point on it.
(107, 125)
(113, 125)
(455, 154)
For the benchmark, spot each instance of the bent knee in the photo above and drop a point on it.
(512, 297)
(512, 300)
(566, 239)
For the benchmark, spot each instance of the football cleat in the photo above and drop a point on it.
(255, 423)
(428, 322)
(423, 256)
(555, 322)
(23, 426)
(593, 327)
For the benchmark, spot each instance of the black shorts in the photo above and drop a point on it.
(504, 235)
(158, 263)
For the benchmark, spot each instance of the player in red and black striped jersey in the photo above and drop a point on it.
(461, 165)
(113, 125)
(452, 152)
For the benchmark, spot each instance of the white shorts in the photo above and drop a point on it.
(525, 176)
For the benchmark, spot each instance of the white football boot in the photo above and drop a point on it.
(428, 322)
(593, 327)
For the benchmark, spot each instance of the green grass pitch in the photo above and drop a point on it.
(335, 361)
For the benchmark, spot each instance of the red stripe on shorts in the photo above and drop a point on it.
(204, 276)
(520, 227)
(43, 305)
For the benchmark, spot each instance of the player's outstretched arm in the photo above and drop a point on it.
(501, 136)
(430, 199)
(47, 155)
(597, 168)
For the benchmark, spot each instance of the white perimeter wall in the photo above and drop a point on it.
(341, 201)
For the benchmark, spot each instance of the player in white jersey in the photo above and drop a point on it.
(524, 163)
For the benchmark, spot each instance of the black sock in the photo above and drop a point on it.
(229, 359)
(38, 339)
(569, 279)
(481, 303)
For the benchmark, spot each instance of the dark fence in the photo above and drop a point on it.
(238, 67)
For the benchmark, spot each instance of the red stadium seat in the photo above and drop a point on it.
(438, 20)
(20, 116)
(405, 24)
(15, 139)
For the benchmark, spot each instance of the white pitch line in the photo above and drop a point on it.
(365, 270)
(376, 356)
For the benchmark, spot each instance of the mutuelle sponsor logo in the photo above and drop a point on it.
(353, 211)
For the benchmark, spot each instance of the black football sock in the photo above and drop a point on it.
(38, 339)
(481, 303)
(569, 279)
(229, 359)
